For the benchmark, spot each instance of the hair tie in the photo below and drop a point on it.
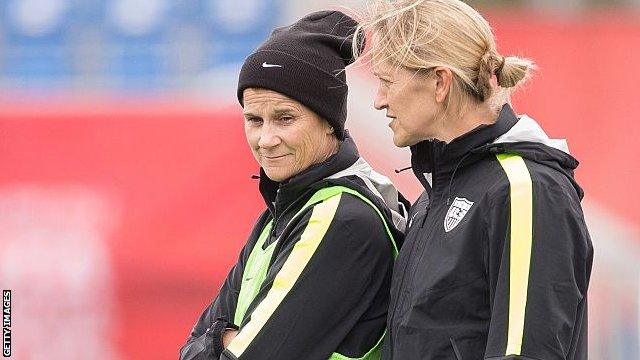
(500, 66)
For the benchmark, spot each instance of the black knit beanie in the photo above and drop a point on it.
(305, 61)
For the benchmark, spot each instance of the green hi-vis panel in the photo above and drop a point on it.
(325, 204)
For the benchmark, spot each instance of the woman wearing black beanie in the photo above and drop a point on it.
(312, 281)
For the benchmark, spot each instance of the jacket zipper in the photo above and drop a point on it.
(456, 351)
(399, 297)
(413, 246)
(275, 220)
(433, 186)
(429, 233)
(275, 215)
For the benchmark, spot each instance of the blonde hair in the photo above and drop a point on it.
(424, 34)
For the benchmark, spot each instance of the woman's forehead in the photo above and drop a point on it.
(263, 99)
(388, 69)
(382, 68)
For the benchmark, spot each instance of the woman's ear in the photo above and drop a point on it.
(444, 79)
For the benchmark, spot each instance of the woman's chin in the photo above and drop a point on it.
(276, 174)
(401, 141)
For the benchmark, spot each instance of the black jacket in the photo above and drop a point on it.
(339, 303)
(451, 294)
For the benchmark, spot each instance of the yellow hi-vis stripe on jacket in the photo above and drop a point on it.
(521, 239)
(303, 250)
(325, 204)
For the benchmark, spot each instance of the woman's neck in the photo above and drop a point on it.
(457, 124)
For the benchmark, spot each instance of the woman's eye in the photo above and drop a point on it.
(286, 119)
(254, 120)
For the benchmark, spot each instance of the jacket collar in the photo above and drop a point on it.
(439, 160)
(279, 195)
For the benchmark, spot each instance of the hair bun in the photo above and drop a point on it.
(500, 66)
(513, 71)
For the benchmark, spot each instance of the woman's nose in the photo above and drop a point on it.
(380, 101)
(268, 136)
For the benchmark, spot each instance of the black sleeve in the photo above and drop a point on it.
(553, 298)
(199, 345)
(328, 294)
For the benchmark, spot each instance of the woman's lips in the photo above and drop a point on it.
(274, 157)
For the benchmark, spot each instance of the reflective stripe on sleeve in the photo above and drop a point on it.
(521, 238)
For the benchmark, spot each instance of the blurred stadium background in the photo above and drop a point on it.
(125, 190)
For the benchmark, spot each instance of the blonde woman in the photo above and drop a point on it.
(497, 257)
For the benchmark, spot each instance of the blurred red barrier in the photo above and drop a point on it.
(585, 90)
(179, 181)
